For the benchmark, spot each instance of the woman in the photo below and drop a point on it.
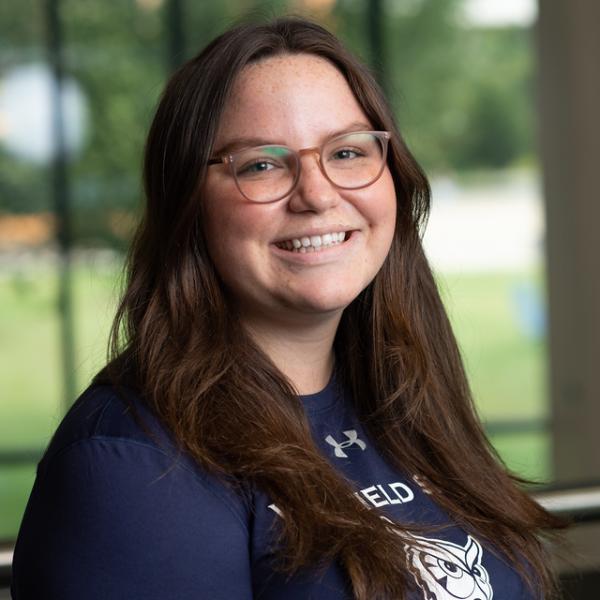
(286, 414)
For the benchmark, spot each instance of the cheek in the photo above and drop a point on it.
(218, 223)
(235, 234)
(382, 210)
(225, 246)
(383, 219)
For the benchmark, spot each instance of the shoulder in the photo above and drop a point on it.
(115, 510)
(106, 417)
(110, 426)
(103, 412)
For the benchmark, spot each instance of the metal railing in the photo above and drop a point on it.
(579, 505)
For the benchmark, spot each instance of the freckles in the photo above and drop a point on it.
(285, 273)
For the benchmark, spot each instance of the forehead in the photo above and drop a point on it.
(289, 96)
(301, 67)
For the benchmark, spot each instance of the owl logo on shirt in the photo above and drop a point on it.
(447, 571)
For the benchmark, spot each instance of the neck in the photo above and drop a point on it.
(303, 352)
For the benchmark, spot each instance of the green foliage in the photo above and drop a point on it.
(498, 124)
(462, 96)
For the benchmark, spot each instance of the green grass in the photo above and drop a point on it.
(527, 455)
(32, 397)
(31, 389)
(506, 368)
(15, 484)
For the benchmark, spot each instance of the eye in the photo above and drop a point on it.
(345, 154)
(256, 167)
(261, 162)
(259, 168)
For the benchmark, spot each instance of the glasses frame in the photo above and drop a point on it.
(228, 160)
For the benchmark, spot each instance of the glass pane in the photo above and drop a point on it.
(460, 76)
(462, 96)
(466, 107)
(29, 374)
(115, 63)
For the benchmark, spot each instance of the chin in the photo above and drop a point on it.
(326, 303)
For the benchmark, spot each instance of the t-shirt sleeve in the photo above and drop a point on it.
(116, 519)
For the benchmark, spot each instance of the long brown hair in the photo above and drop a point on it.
(229, 407)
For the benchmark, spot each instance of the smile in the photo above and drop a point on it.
(313, 243)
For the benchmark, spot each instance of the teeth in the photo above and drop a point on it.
(314, 243)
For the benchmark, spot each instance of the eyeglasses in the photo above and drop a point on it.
(268, 173)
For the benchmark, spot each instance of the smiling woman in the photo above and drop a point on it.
(343, 188)
(285, 414)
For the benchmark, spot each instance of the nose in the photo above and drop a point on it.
(314, 192)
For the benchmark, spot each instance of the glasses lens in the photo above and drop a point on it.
(354, 160)
(265, 173)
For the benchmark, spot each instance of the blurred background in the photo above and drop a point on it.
(497, 100)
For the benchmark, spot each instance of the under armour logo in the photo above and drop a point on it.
(352, 439)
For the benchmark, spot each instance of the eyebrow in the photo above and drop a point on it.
(242, 142)
(249, 142)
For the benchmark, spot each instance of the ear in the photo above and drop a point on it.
(472, 552)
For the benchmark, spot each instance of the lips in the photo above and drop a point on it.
(313, 243)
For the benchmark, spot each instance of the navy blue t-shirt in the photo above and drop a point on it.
(115, 514)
